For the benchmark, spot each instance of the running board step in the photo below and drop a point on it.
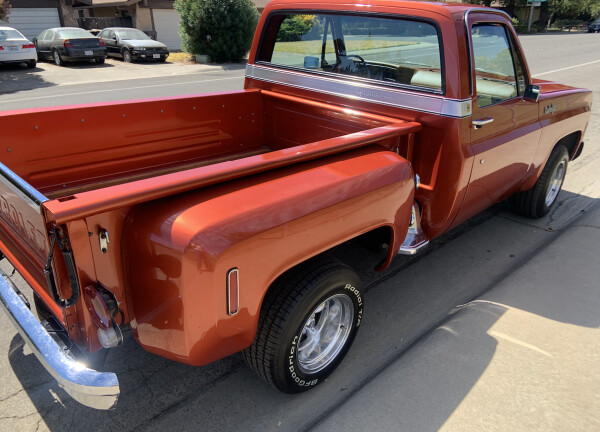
(415, 240)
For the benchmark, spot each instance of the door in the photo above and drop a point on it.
(32, 21)
(110, 40)
(505, 130)
(166, 24)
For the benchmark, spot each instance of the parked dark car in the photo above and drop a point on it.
(132, 44)
(594, 26)
(64, 44)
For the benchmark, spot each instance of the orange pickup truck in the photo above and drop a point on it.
(209, 224)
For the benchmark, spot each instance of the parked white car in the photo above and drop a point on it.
(16, 48)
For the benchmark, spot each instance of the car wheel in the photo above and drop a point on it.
(100, 60)
(538, 200)
(57, 58)
(31, 64)
(307, 324)
(127, 58)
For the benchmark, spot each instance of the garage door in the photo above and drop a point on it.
(32, 21)
(166, 24)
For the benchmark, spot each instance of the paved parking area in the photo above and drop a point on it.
(15, 78)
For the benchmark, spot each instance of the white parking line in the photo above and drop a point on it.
(120, 90)
(566, 68)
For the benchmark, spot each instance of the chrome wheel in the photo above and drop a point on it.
(325, 333)
(555, 183)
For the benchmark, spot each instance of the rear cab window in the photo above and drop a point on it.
(384, 50)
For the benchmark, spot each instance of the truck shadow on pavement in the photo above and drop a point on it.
(431, 331)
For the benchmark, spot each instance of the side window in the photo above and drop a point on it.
(495, 72)
(49, 36)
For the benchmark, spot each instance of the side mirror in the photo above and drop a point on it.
(532, 93)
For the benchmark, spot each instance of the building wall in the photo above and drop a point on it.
(143, 18)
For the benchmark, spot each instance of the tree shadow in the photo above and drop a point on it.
(16, 77)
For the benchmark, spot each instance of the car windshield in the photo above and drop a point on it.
(6, 35)
(73, 33)
(133, 35)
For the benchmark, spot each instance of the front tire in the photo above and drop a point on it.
(307, 324)
(537, 201)
(127, 58)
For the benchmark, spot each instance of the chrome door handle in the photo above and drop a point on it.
(482, 121)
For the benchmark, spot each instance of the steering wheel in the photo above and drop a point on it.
(346, 65)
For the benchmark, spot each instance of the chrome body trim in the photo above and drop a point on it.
(94, 389)
(399, 98)
(23, 189)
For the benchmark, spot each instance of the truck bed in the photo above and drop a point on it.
(90, 159)
(83, 148)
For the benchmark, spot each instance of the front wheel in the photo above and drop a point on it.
(538, 200)
(127, 58)
(307, 324)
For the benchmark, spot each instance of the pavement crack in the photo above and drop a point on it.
(12, 395)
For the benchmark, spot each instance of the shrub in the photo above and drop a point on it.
(4, 10)
(221, 29)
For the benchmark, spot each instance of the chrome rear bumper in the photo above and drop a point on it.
(94, 389)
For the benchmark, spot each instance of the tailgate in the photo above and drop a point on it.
(23, 238)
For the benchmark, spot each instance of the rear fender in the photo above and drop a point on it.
(180, 249)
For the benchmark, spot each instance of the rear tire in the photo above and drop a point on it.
(538, 200)
(31, 64)
(307, 324)
(100, 61)
(58, 61)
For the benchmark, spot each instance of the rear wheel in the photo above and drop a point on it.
(57, 58)
(538, 200)
(127, 58)
(100, 60)
(31, 64)
(307, 324)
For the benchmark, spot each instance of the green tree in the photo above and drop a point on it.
(221, 29)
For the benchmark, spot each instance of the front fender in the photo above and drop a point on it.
(181, 248)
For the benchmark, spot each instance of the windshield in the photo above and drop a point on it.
(133, 35)
(73, 33)
(392, 50)
(6, 35)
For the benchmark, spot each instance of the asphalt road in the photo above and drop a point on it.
(404, 304)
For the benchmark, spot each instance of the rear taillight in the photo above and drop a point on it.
(97, 307)
(67, 43)
(103, 308)
(102, 42)
(1, 48)
(27, 46)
